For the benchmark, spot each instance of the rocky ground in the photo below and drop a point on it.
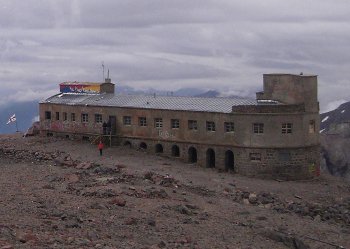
(59, 193)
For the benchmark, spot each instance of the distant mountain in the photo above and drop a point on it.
(335, 141)
(181, 92)
(209, 94)
(26, 113)
(337, 116)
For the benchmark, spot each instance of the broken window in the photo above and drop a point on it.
(175, 123)
(229, 127)
(192, 125)
(65, 116)
(127, 120)
(142, 121)
(258, 128)
(210, 126)
(57, 116)
(72, 116)
(98, 118)
(47, 115)
(287, 128)
(312, 126)
(284, 156)
(255, 157)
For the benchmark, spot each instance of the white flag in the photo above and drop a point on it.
(11, 119)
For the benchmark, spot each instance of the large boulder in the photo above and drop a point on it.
(335, 151)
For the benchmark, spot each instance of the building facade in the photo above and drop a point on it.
(273, 136)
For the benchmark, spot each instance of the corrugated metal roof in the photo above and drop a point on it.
(221, 105)
(80, 83)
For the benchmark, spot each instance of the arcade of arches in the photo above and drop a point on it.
(209, 158)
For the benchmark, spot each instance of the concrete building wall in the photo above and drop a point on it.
(292, 89)
(242, 135)
(287, 155)
(286, 145)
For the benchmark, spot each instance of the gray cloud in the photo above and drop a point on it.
(224, 44)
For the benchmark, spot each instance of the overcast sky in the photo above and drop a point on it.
(224, 45)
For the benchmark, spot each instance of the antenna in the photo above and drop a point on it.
(108, 80)
(103, 70)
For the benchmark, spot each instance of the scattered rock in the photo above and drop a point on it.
(72, 178)
(183, 210)
(288, 240)
(118, 202)
(130, 221)
(151, 222)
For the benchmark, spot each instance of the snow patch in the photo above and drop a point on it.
(35, 119)
(342, 111)
(325, 119)
(322, 130)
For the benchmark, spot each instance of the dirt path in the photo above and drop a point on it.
(62, 194)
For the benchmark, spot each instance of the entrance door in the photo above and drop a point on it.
(210, 158)
(229, 161)
(113, 121)
(192, 155)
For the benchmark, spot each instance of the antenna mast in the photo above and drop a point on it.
(103, 71)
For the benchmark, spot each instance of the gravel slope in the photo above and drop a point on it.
(61, 194)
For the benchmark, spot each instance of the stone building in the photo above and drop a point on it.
(275, 135)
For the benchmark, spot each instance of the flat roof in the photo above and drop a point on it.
(290, 74)
(82, 83)
(200, 104)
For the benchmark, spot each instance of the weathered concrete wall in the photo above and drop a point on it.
(107, 88)
(291, 89)
(299, 163)
(288, 164)
(242, 136)
(292, 155)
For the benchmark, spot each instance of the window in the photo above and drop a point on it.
(312, 126)
(255, 157)
(158, 122)
(192, 125)
(57, 116)
(72, 116)
(175, 123)
(98, 118)
(84, 117)
(127, 120)
(287, 128)
(258, 128)
(142, 121)
(284, 156)
(210, 126)
(229, 127)
(47, 115)
(65, 116)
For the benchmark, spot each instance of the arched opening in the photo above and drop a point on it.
(86, 138)
(159, 148)
(229, 161)
(175, 151)
(210, 158)
(143, 145)
(128, 144)
(192, 155)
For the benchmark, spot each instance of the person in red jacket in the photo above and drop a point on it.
(100, 147)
